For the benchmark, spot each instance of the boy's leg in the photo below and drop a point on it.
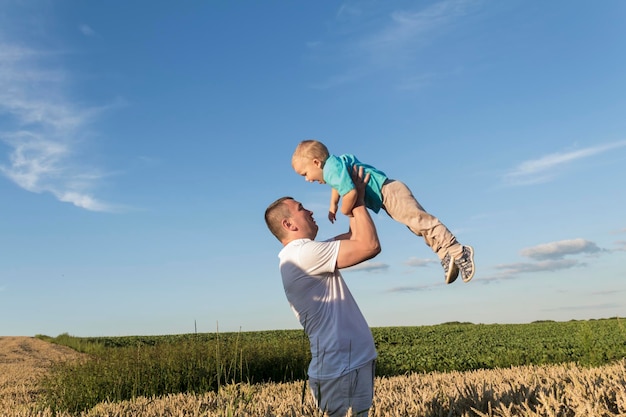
(402, 206)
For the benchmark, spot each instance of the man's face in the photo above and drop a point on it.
(310, 169)
(302, 219)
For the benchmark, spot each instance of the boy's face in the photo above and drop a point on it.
(310, 169)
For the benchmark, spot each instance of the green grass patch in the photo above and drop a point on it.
(122, 368)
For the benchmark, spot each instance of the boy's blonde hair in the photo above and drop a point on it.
(310, 149)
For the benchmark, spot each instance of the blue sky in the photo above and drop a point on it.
(140, 143)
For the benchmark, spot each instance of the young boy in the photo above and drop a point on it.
(312, 160)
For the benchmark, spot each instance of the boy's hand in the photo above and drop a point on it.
(332, 211)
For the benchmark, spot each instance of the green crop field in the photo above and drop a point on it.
(121, 368)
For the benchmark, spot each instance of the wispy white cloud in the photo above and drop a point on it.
(621, 246)
(369, 266)
(407, 29)
(607, 292)
(420, 262)
(44, 129)
(540, 266)
(86, 30)
(347, 9)
(348, 76)
(577, 307)
(546, 257)
(545, 168)
(374, 39)
(416, 82)
(412, 288)
(514, 270)
(559, 249)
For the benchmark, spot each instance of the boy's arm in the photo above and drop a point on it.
(339, 174)
(348, 202)
(334, 204)
(363, 243)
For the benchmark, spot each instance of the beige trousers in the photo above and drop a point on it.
(401, 205)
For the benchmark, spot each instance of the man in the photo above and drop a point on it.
(341, 372)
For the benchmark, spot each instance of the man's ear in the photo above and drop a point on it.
(287, 224)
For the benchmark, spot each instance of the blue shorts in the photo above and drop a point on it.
(354, 390)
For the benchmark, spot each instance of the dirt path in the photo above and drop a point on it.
(23, 360)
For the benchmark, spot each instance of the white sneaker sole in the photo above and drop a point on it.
(453, 272)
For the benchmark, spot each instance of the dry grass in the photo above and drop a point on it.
(562, 391)
(23, 360)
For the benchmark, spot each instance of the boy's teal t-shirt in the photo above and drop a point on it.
(337, 171)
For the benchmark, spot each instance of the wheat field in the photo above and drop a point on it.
(567, 390)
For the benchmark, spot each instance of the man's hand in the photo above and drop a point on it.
(359, 184)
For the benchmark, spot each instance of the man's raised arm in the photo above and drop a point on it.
(363, 243)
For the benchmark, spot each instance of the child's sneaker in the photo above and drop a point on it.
(466, 263)
(450, 269)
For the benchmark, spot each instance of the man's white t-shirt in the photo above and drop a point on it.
(340, 338)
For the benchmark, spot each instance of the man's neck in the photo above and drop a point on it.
(292, 238)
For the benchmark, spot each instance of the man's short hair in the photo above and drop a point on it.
(274, 215)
